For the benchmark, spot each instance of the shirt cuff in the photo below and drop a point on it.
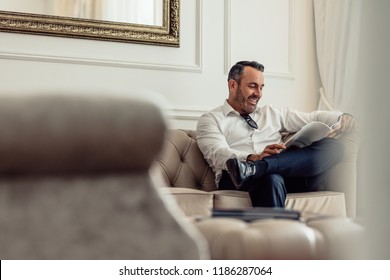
(344, 114)
(242, 156)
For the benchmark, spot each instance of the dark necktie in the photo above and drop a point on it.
(250, 121)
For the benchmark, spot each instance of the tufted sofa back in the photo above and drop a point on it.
(182, 163)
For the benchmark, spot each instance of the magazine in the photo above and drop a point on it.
(310, 133)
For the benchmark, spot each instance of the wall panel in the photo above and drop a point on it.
(261, 30)
(191, 79)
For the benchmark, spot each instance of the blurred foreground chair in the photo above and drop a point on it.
(75, 181)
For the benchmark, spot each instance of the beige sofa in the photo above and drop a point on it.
(326, 232)
(192, 182)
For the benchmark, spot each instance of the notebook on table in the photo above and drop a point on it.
(255, 213)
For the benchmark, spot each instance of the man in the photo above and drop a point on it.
(243, 142)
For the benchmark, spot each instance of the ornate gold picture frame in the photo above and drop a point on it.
(165, 35)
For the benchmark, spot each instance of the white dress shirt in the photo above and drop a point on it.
(222, 133)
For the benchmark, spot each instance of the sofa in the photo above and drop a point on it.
(192, 182)
(75, 181)
(326, 229)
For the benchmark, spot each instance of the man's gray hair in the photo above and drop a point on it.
(238, 68)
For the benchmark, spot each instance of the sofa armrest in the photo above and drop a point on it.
(343, 176)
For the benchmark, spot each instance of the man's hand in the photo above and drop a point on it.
(345, 124)
(270, 150)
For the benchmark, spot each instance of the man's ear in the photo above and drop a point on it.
(232, 84)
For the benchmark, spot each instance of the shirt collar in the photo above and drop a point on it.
(227, 109)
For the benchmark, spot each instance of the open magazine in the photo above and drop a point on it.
(310, 133)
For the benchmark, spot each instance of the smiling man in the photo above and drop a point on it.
(242, 142)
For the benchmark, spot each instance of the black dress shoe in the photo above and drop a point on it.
(240, 171)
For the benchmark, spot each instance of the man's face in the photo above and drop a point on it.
(244, 97)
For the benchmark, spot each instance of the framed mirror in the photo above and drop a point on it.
(153, 22)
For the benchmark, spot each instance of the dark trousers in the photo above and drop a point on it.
(295, 170)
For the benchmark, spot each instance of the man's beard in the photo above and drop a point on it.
(243, 102)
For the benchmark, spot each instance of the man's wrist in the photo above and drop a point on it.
(248, 157)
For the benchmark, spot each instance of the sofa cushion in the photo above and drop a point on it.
(196, 203)
(324, 203)
(193, 202)
(231, 199)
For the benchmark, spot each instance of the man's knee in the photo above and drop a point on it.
(273, 179)
(331, 144)
(333, 147)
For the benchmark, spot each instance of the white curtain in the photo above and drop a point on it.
(337, 25)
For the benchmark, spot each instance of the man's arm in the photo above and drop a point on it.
(213, 143)
(294, 120)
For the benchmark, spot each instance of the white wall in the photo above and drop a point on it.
(192, 78)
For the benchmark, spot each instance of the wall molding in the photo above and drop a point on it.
(196, 67)
(199, 35)
(187, 114)
(97, 62)
(291, 45)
